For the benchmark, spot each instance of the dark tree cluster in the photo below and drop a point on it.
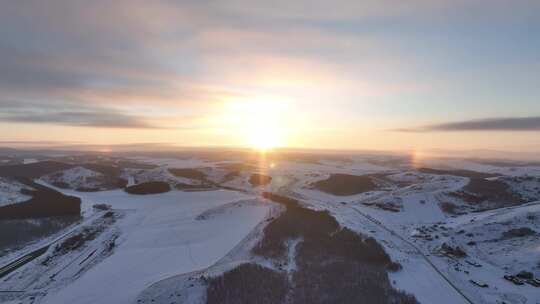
(149, 188)
(246, 284)
(188, 173)
(259, 179)
(294, 222)
(334, 265)
(34, 170)
(345, 184)
(14, 233)
(344, 268)
(45, 202)
(492, 191)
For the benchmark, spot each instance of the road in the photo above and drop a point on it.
(420, 252)
(289, 192)
(23, 260)
(9, 268)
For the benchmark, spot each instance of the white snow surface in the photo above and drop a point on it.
(160, 239)
(161, 174)
(74, 178)
(173, 162)
(175, 233)
(10, 192)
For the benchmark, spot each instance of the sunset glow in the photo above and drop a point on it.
(238, 152)
(259, 123)
(356, 75)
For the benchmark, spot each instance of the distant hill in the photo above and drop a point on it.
(461, 173)
(33, 170)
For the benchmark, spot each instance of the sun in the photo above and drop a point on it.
(265, 129)
(264, 138)
(259, 122)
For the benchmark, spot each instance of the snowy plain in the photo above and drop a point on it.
(168, 235)
(160, 239)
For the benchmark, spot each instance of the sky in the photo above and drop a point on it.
(375, 75)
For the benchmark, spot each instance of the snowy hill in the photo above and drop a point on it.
(11, 192)
(83, 178)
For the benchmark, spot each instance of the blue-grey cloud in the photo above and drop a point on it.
(489, 124)
(69, 115)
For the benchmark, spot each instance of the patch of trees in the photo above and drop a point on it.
(193, 174)
(491, 190)
(345, 184)
(149, 188)
(45, 202)
(294, 222)
(189, 187)
(286, 201)
(334, 265)
(16, 233)
(487, 194)
(246, 284)
(111, 175)
(109, 178)
(344, 267)
(107, 170)
(189, 173)
(259, 179)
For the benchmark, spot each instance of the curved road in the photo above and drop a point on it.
(378, 223)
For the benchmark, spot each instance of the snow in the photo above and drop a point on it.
(161, 239)
(191, 162)
(166, 238)
(158, 174)
(418, 278)
(10, 192)
(420, 195)
(75, 178)
(480, 167)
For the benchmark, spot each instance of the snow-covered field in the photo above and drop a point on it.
(161, 238)
(10, 192)
(430, 276)
(168, 237)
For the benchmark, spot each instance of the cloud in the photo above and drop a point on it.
(488, 124)
(69, 115)
(81, 119)
(51, 48)
(123, 63)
